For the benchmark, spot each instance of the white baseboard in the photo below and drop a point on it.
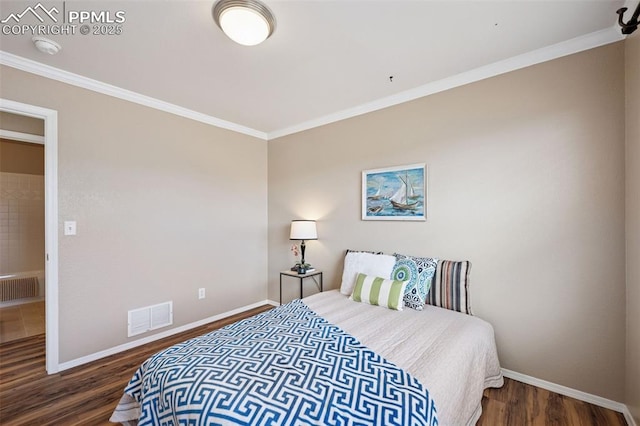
(273, 302)
(573, 393)
(130, 345)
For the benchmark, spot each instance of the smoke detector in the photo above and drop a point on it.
(46, 46)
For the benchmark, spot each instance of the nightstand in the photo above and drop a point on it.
(301, 278)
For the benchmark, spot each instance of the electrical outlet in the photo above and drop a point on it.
(201, 293)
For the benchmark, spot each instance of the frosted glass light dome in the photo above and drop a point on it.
(247, 22)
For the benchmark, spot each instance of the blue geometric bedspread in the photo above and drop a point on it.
(287, 366)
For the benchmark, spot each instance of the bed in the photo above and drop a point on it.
(453, 354)
(406, 367)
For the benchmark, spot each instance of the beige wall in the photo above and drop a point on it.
(164, 205)
(21, 123)
(525, 179)
(632, 60)
(21, 157)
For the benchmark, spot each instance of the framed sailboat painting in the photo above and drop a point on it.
(395, 193)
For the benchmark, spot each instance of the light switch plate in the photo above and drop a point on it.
(69, 227)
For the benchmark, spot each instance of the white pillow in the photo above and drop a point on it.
(377, 265)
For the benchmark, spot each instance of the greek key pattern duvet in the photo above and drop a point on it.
(287, 366)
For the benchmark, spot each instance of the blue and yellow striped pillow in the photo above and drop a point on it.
(379, 291)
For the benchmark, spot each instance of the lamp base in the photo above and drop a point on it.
(302, 269)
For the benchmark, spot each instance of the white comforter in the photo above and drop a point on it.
(454, 355)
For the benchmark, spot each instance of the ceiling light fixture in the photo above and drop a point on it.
(46, 46)
(247, 22)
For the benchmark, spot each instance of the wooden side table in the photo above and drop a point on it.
(301, 278)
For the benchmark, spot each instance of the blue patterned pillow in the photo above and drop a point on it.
(418, 272)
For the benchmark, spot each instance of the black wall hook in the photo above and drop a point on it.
(633, 23)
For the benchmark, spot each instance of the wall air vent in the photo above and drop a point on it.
(149, 318)
(18, 288)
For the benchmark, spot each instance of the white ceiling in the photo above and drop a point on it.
(325, 60)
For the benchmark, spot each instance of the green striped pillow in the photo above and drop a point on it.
(379, 291)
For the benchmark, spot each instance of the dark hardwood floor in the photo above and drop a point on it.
(517, 403)
(87, 395)
(84, 395)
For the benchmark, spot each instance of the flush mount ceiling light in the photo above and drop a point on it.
(46, 46)
(247, 22)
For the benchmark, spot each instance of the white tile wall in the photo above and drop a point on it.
(21, 223)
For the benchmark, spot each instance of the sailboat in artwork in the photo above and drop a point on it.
(412, 195)
(400, 200)
(377, 195)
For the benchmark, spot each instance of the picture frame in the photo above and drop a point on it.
(395, 193)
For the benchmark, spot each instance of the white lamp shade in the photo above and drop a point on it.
(303, 230)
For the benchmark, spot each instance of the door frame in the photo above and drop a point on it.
(50, 118)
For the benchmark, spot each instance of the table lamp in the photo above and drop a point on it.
(303, 230)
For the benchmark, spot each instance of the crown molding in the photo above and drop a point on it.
(569, 47)
(575, 45)
(48, 71)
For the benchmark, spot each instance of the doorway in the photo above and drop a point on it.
(22, 248)
(50, 118)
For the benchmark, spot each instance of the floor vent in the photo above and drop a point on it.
(18, 288)
(150, 318)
